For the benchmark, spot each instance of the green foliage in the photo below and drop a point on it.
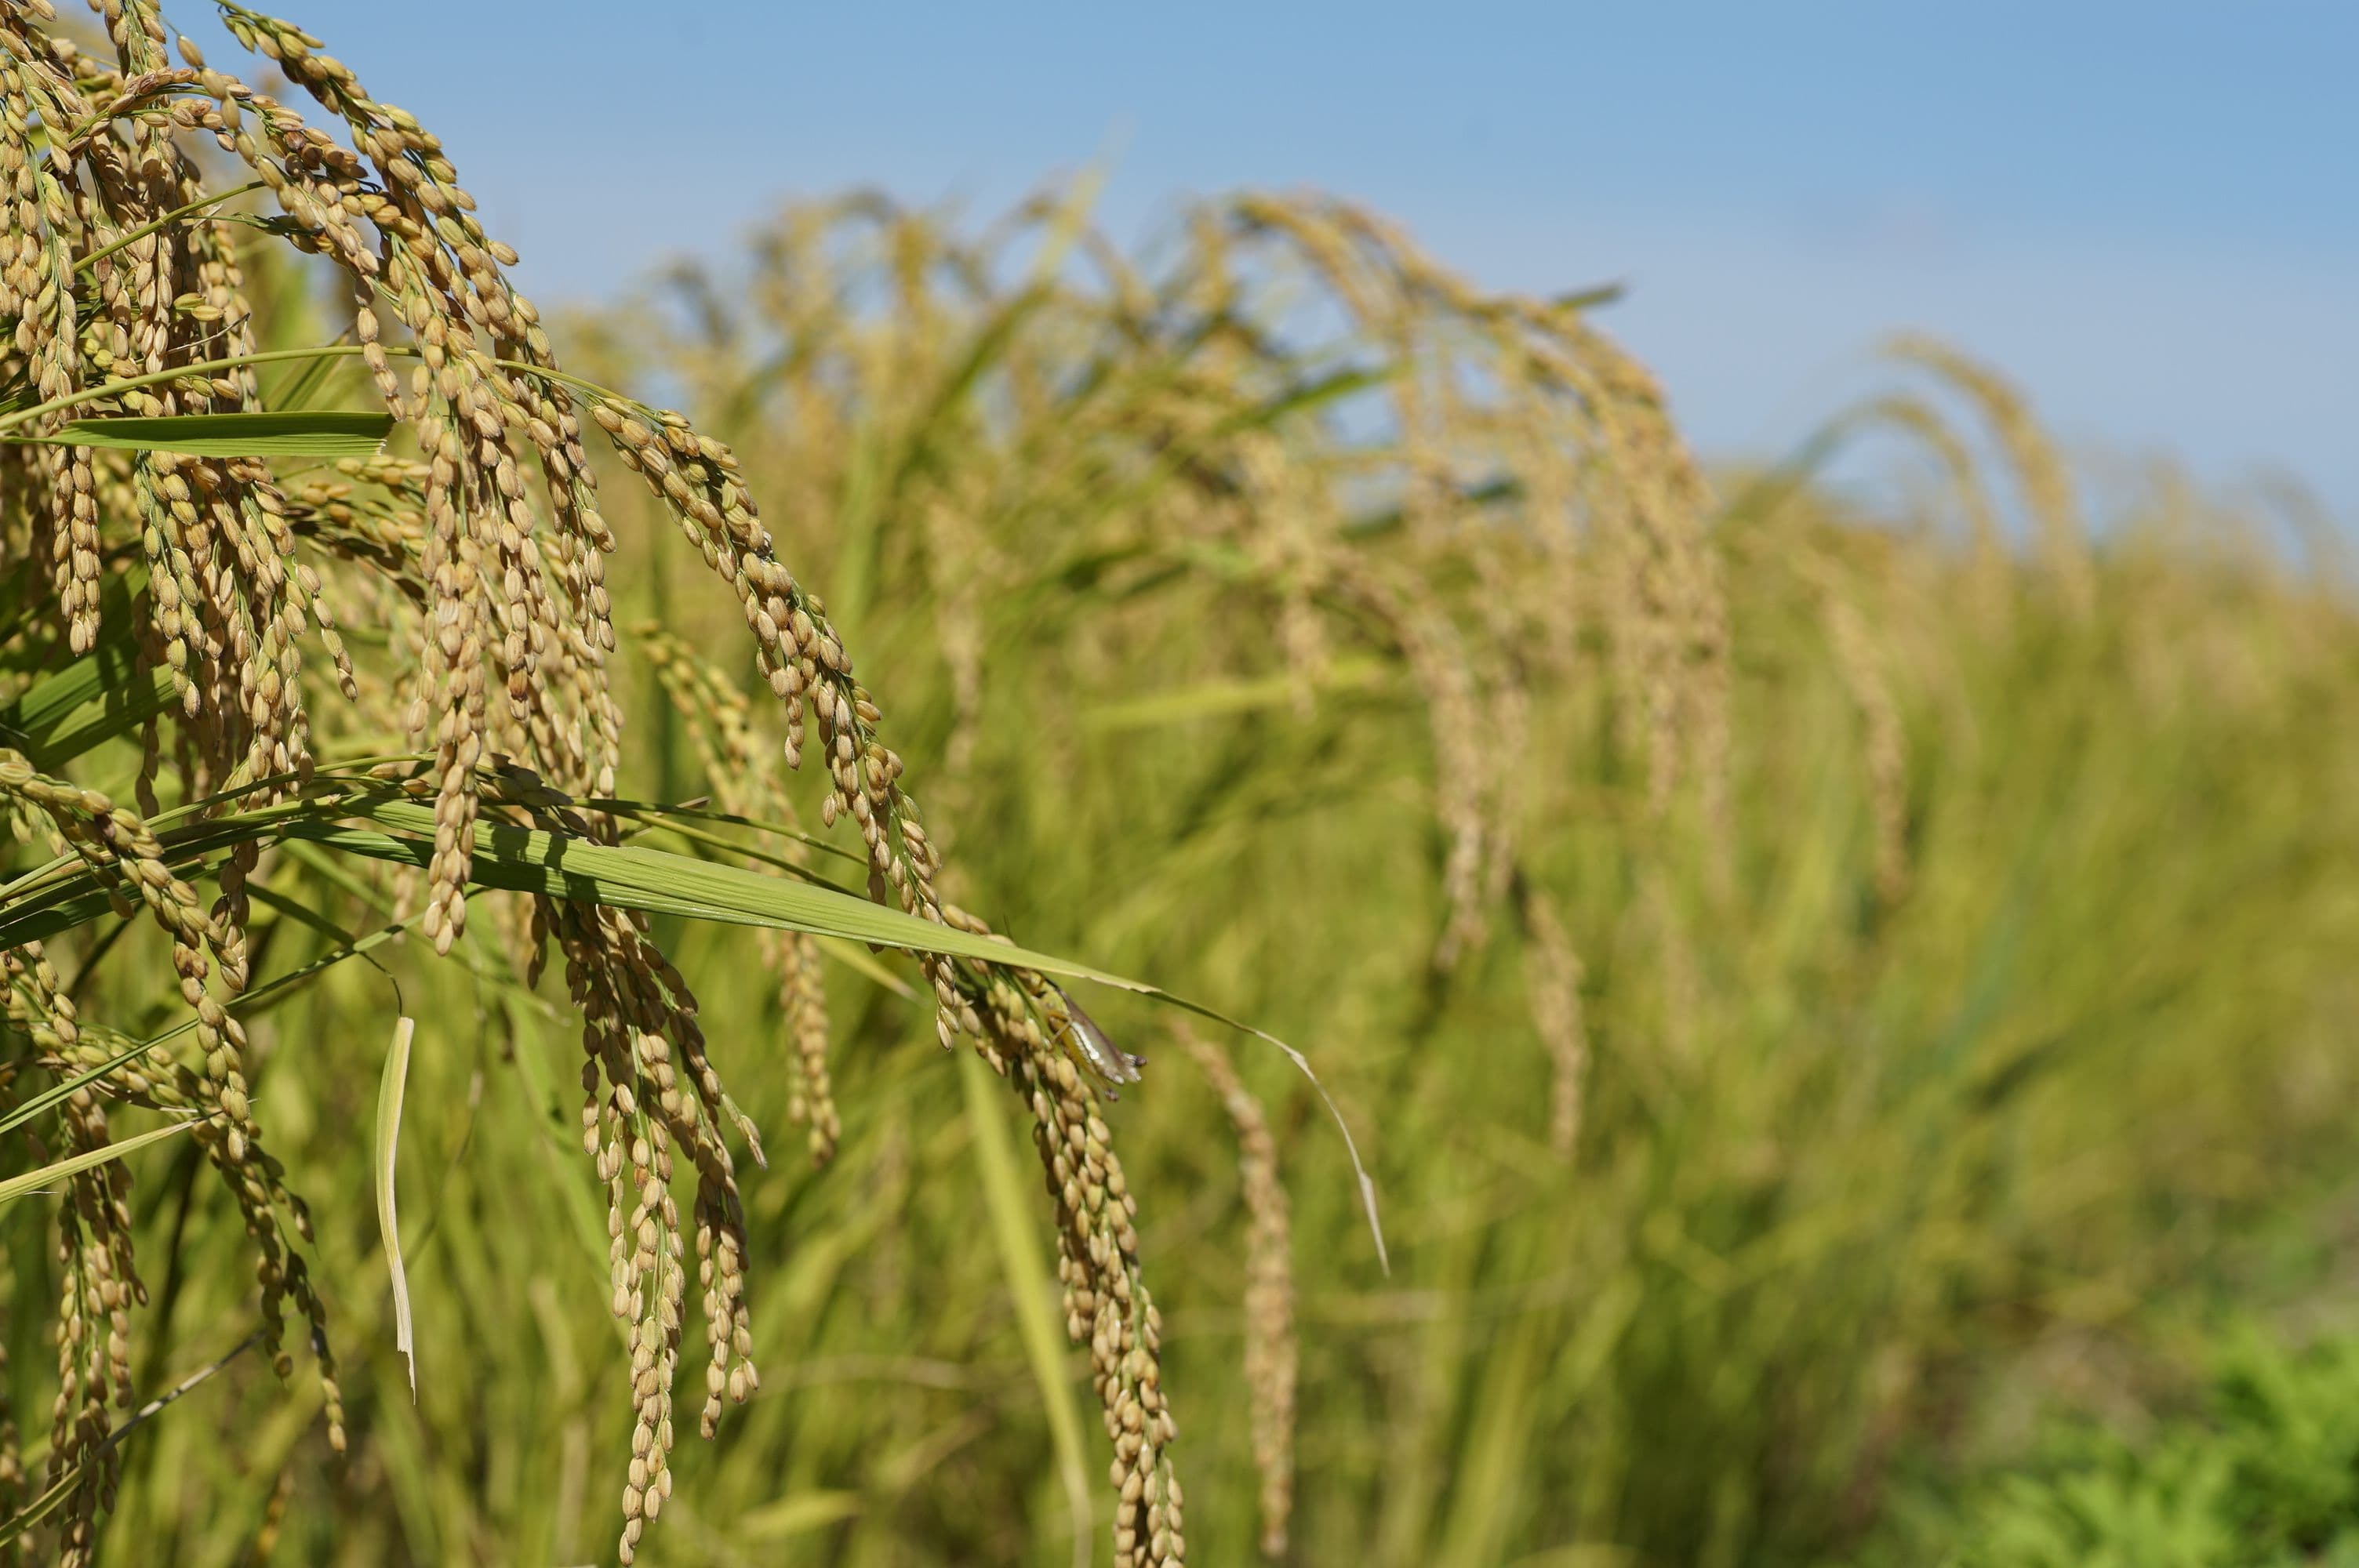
(2265, 1475)
(324, 434)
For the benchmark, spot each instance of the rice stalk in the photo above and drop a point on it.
(1270, 1358)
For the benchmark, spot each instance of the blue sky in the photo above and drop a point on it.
(2148, 214)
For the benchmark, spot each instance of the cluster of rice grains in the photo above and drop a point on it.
(1107, 1307)
(95, 1240)
(1271, 1354)
(1027, 1030)
(720, 727)
(1867, 596)
(1502, 398)
(121, 293)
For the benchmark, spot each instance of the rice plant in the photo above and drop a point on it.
(168, 577)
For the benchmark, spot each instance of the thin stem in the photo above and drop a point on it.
(39, 877)
(579, 383)
(267, 356)
(174, 216)
(32, 1513)
(321, 774)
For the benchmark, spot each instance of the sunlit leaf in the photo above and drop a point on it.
(48, 1176)
(100, 696)
(288, 432)
(389, 1092)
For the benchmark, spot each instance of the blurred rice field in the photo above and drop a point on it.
(1817, 970)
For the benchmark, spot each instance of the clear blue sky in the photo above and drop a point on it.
(2147, 212)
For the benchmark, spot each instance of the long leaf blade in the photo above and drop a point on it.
(1028, 1286)
(388, 1149)
(282, 433)
(16, 1187)
(632, 877)
(99, 696)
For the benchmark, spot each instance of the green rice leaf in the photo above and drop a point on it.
(100, 696)
(1038, 1313)
(288, 433)
(628, 876)
(795, 1514)
(1217, 699)
(633, 876)
(389, 1148)
(16, 1187)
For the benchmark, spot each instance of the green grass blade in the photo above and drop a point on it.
(661, 882)
(1028, 1283)
(1221, 700)
(521, 859)
(388, 1149)
(98, 696)
(16, 1187)
(286, 433)
(796, 1514)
